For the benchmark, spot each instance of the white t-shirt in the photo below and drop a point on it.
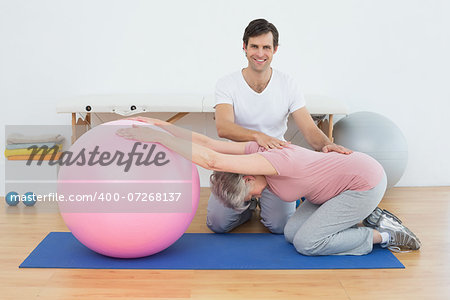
(267, 111)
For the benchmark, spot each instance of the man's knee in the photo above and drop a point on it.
(289, 231)
(275, 212)
(217, 224)
(275, 225)
(218, 217)
(220, 222)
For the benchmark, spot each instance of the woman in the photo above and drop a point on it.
(341, 189)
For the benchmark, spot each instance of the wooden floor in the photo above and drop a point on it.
(427, 275)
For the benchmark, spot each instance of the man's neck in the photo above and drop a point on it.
(257, 80)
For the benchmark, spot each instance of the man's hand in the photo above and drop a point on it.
(269, 142)
(336, 148)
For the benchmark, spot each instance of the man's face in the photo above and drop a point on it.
(260, 51)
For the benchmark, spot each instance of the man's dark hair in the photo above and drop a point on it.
(258, 27)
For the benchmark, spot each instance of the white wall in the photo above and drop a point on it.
(389, 57)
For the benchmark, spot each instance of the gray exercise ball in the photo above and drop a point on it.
(376, 136)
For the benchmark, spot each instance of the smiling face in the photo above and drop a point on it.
(260, 51)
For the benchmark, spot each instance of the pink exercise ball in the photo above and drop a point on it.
(125, 208)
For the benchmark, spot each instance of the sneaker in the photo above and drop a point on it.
(372, 219)
(400, 237)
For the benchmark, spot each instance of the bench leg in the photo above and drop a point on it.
(330, 127)
(327, 127)
(177, 117)
(80, 126)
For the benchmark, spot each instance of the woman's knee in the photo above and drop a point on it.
(305, 245)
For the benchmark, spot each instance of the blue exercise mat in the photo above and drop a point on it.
(204, 251)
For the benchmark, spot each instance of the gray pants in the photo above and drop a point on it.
(274, 214)
(329, 228)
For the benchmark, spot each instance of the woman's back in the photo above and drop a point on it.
(317, 176)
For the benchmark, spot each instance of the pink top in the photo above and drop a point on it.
(317, 176)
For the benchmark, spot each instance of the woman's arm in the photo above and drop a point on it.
(251, 164)
(197, 138)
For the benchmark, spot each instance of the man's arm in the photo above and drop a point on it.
(313, 135)
(226, 128)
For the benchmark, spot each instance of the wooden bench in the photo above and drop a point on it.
(82, 107)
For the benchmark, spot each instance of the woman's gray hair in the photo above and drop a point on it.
(231, 189)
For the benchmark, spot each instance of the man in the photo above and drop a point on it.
(253, 104)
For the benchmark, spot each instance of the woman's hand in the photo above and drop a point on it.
(142, 134)
(152, 121)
